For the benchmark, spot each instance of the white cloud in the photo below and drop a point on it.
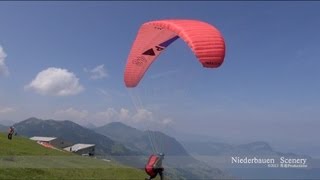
(71, 113)
(142, 115)
(6, 110)
(139, 118)
(98, 72)
(56, 82)
(124, 114)
(108, 115)
(3, 68)
(167, 121)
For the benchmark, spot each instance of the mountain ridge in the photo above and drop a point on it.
(71, 132)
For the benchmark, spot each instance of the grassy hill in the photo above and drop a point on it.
(22, 158)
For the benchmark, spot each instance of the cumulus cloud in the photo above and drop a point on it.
(98, 72)
(56, 82)
(109, 115)
(3, 68)
(6, 110)
(167, 121)
(71, 113)
(124, 114)
(141, 117)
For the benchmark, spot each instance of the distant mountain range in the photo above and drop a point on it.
(3, 128)
(7, 122)
(217, 149)
(220, 155)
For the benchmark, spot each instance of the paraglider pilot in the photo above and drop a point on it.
(10, 132)
(154, 166)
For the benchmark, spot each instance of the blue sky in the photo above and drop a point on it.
(267, 88)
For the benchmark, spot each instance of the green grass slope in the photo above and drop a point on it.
(21, 158)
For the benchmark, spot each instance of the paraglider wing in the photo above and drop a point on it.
(205, 41)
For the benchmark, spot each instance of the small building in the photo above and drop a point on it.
(82, 149)
(53, 141)
(43, 139)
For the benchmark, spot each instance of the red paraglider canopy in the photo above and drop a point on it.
(205, 41)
